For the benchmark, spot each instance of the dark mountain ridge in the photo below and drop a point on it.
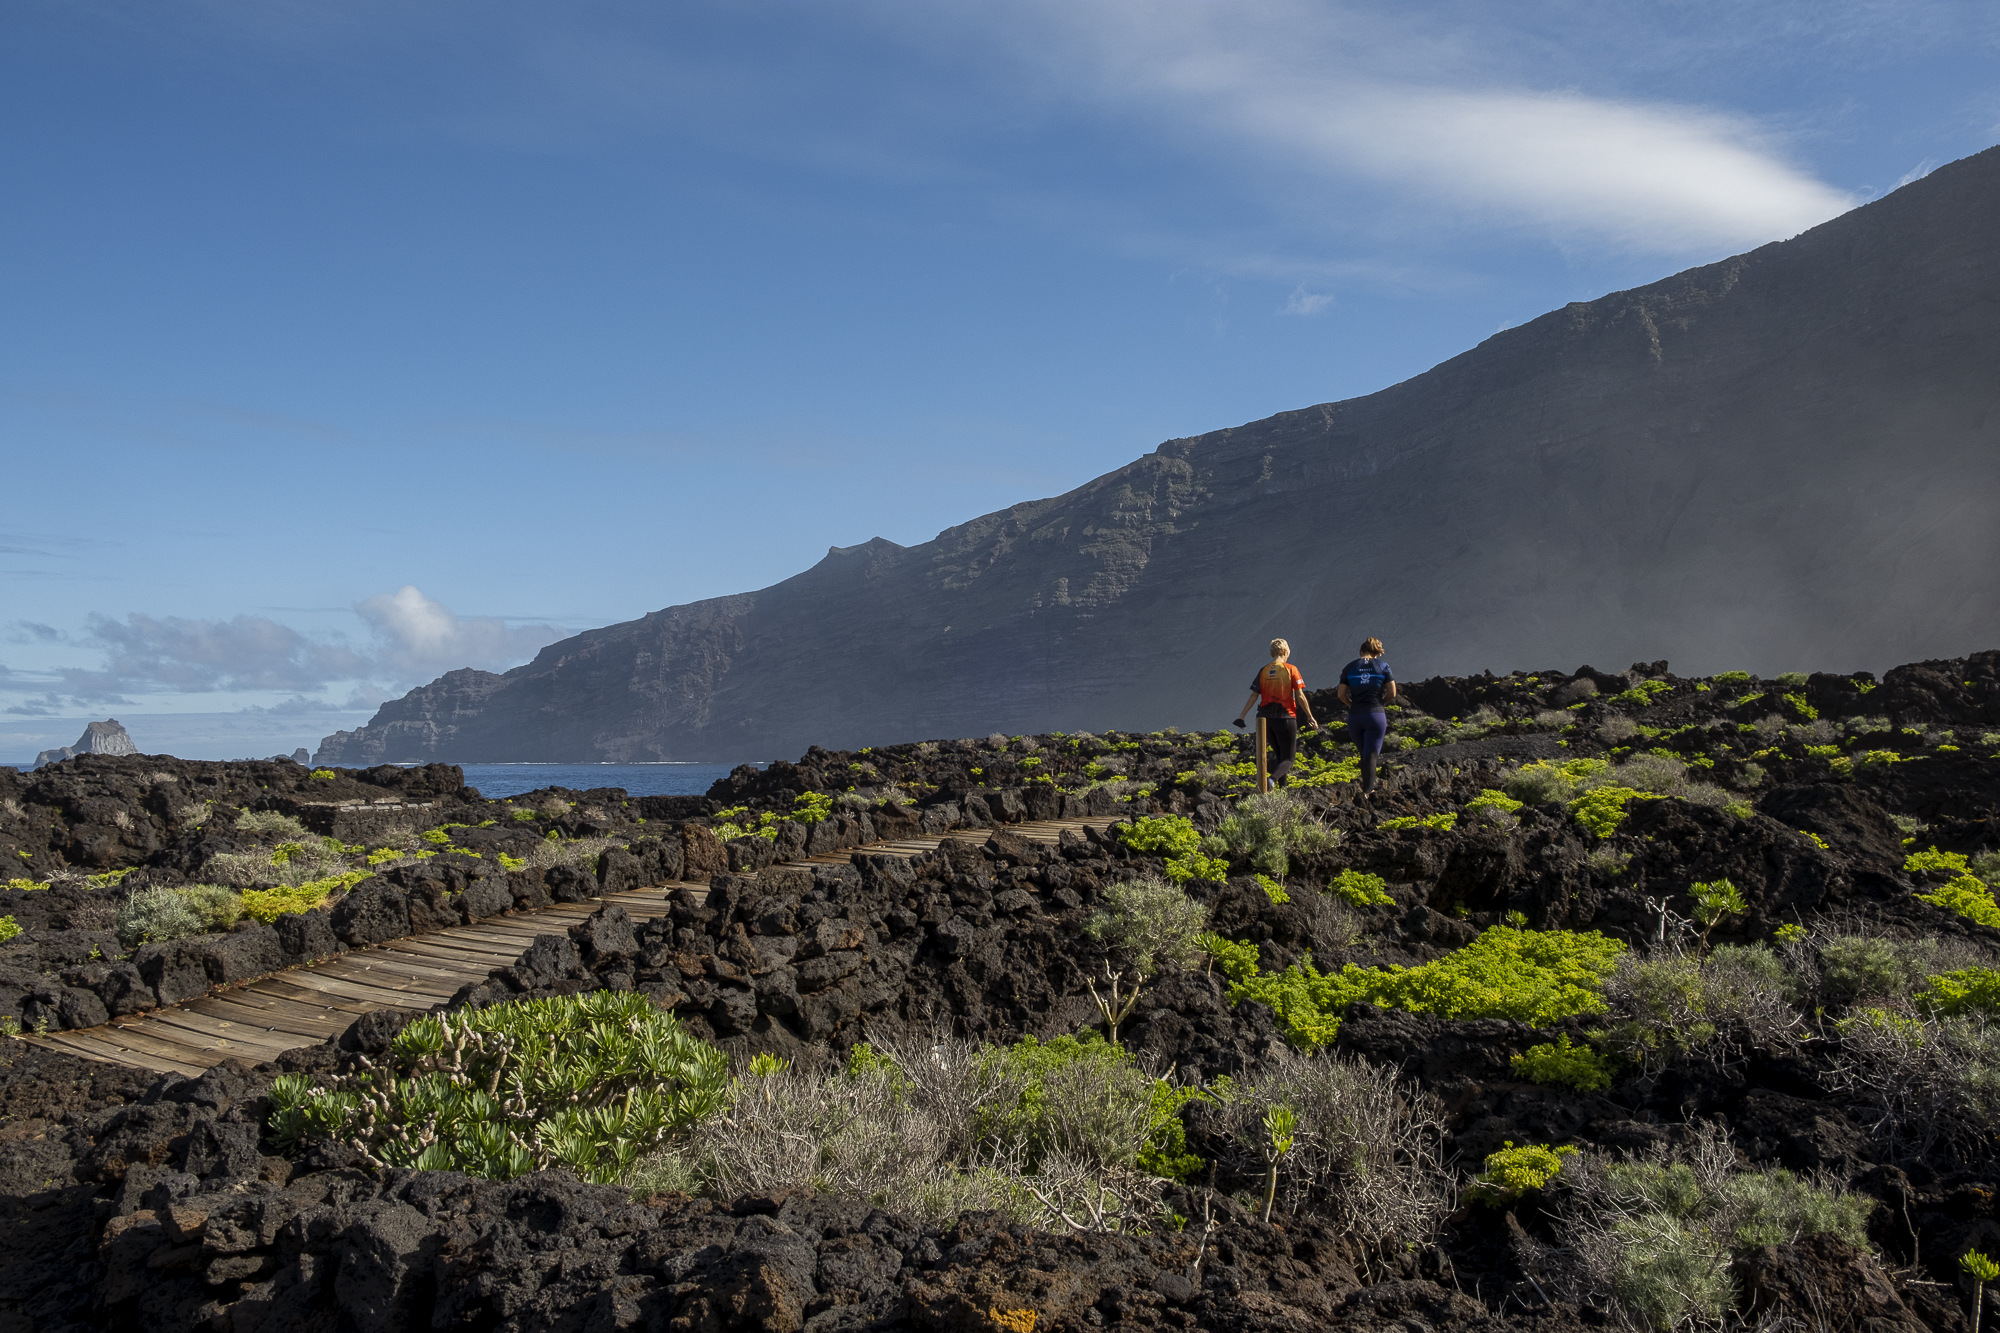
(1786, 456)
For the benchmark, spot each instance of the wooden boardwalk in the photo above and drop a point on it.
(304, 1005)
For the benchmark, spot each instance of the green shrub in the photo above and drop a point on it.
(1568, 1066)
(589, 1082)
(1969, 896)
(325, 773)
(271, 822)
(9, 928)
(1443, 823)
(1493, 800)
(1948, 863)
(1157, 922)
(1602, 809)
(1643, 694)
(1967, 990)
(1792, 680)
(1273, 890)
(1360, 888)
(270, 904)
(1512, 1172)
(1537, 977)
(155, 916)
(1858, 968)
(1546, 780)
(1731, 678)
(1169, 836)
(1265, 829)
(1196, 866)
(1660, 1235)
(524, 816)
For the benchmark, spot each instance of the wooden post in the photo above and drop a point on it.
(1263, 758)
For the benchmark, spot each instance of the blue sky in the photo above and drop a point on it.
(345, 344)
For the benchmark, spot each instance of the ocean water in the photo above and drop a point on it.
(497, 780)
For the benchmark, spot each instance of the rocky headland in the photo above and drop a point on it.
(1748, 461)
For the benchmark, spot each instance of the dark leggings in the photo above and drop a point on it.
(1368, 729)
(1281, 744)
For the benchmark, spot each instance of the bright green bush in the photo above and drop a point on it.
(1602, 809)
(1801, 707)
(1731, 678)
(1546, 780)
(1194, 865)
(1360, 888)
(1169, 836)
(1513, 1171)
(1537, 977)
(1568, 1066)
(1443, 823)
(1969, 896)
(324, 773)
(524, 816)
(1643, 694)
(1966, 990)
(1493, 800)
(589, 1082)
(9, 928)
(1273, 890)
(1949, 863)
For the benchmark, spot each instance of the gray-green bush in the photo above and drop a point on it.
(1054, 1134)
(1265, 829)
(1152, 920)
(270, 823)
(1659, 1233)
(156, 916)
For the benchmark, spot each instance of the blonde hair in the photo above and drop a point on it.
(1371, 647)
(1279, 648)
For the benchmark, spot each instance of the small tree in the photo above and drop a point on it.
(1157, 924)
(1280, 1124)
(1982, 1270)
(1715, 903)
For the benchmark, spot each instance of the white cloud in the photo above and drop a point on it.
(1333, 97)
(418, 637)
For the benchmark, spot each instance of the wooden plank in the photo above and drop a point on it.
(391, 963)
(147, 1039)
(294, 993)
(89, 1045)
(295, 1019)
(374, 995)
(252, 1043)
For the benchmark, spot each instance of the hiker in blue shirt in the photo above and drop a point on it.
(1366, 684)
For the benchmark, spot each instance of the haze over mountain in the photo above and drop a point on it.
(1791, 456)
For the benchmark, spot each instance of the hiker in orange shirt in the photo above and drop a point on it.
(1278, 692)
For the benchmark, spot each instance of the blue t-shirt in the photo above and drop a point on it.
(1365, 680)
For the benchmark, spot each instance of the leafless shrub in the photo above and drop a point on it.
(1368, 1148)
(931, 1129)
(1330, 921)
(1617, 730)
(579, 852)
(193, 814)
(553, 807)
(1929, 1083)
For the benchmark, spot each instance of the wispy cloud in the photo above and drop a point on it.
(1303, 302)
(1334, 98)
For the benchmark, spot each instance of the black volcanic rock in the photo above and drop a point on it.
(1792, 455)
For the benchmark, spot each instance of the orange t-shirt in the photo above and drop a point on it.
(1278, 686)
